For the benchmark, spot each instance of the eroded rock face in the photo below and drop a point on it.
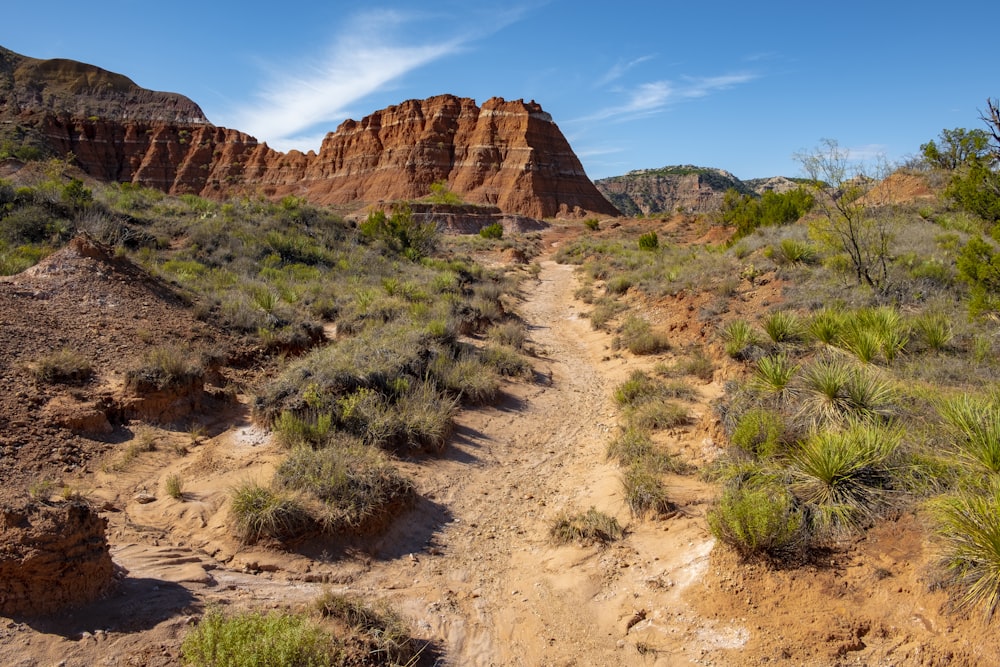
(51, 557)
(684, 188)
(508, 154)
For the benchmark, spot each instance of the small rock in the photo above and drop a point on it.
(143, 498)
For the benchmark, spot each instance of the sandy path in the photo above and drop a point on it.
(490, 584)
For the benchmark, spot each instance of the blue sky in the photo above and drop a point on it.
(737, 85)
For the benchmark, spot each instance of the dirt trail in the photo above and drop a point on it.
(490, 583)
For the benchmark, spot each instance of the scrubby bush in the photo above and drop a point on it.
(492, 231)
(63, 366)
(258, 512)
(759, 521)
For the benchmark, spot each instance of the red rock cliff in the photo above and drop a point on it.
(509, 154)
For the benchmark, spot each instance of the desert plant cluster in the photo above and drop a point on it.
(865, 389)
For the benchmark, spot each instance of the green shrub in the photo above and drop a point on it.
(759, 521)
(975, 425)
(649, 241)
(468, 377)
(774, 373)
(658, 415)
(826, 325)
(162, 367)
(493, 231)
(796, 252)
(934, 329)
(590, 527)
(637, 335)
(310, 429)
(738, 335)
(253, 638)
(174, 486)
(618, 285)
(759, 432)
(510, 333)
(593, 224)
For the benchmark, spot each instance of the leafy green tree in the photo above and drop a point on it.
(957, 148)
(856, 201)
(746, 213)
(979, 265)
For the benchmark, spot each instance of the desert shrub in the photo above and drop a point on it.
(634, 446)
(760, 432)
(645, 492)
(64, 366)
(649, 241)
(618, 284)
(382, 631)
(505, 361)
(759, 520)
(832, 390)
(696, 364)
(174, 486)
(658, 415)
(843, 477)
(511, 332)
(401, 233)
(493, 231)
(637, 335)
(969, 536)
(747, 213)
(310, 428)
(593, 224)
(253, 638)
(467, 377)
(638, 387)
(590, 527)
(356, 484)
(604, 310)
(794, 251)
(259, 512)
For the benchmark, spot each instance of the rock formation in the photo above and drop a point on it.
(508, 154)
(686, 188)
(51, 557)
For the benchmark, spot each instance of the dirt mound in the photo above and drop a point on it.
(102, 313)
(51, 556)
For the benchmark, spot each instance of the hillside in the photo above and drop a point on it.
(508, 154)
(685, 188)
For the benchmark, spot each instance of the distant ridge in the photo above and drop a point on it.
(685, 188)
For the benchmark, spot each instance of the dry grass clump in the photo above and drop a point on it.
(637, 336)
(258, 512)
(590, 527)
(162, 367)
(64, 366)
(376, 632)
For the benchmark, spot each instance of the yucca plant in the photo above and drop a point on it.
(738, 335)
(759, 432)
(826, 325)
(975, 422)
(934, 329)
(859, 340)
(774, 373)
(783, 326)
(843, 477)
(823, 386)
(969, 533)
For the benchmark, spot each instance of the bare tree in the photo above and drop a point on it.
(857, 206)
(992, 119)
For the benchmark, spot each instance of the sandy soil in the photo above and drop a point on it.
(472, 565)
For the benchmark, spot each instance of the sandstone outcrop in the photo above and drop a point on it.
(51, 557)
(508, 154)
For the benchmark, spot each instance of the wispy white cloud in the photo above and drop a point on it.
(653, 97)
(866, 153)
(371, 52)
(619, 70)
